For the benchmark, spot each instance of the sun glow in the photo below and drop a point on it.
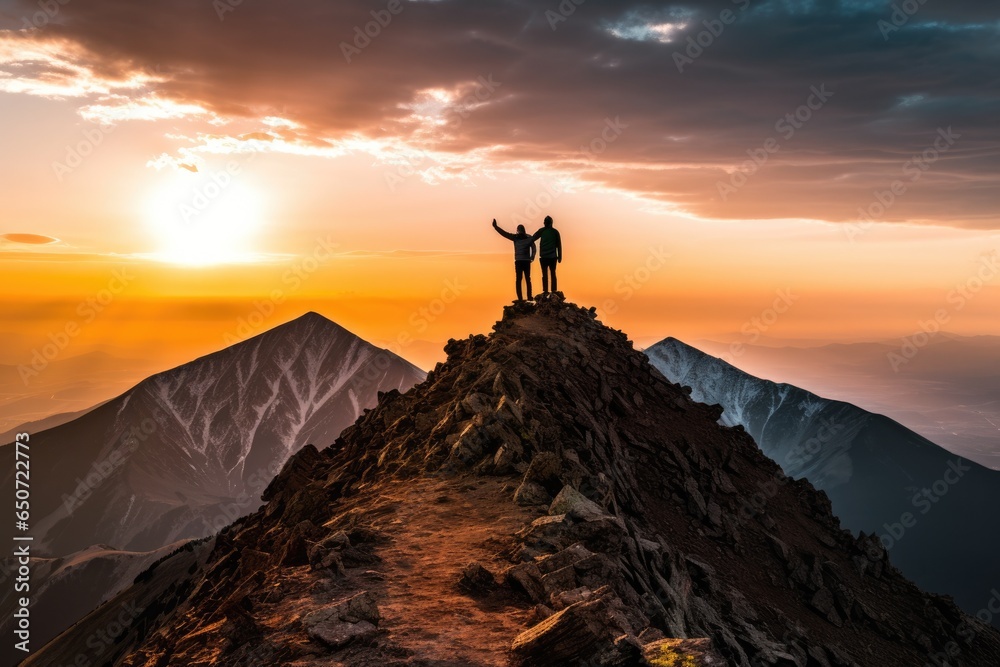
(204, 219)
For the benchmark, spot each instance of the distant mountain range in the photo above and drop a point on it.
(932, 508)
(43, 392)
(947, 391)
(187, 451)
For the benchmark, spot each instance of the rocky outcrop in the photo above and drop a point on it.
(626, 528)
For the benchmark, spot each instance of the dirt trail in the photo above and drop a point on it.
(437, 528)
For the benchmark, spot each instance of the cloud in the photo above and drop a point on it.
(29, 239)
(499, 83)
(47, 65)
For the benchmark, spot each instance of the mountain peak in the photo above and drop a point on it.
(313, 316)
(545, 496)
(188, 450)
(305, 322)
(549, 314)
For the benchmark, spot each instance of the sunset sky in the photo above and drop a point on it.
(178, 174)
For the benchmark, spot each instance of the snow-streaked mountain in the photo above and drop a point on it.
(949, 392)
(934, 510)
(188, 450)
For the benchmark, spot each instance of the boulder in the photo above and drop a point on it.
(558, 581)
(823, 602)
(546, 534)
(527, 578)
(476, 579)
(605, 534)
(575, 504)
(352, 619)
(504, 459)
(544, 469)
(328, 553)
(568, 556)
(470, 445)
(508, 411)
(530, 493)
(564, 599)
(336, 635)
(583, 633)
(475, 404)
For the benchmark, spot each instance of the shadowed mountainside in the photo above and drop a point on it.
(184, 453)
(875, 471)
(163, 461)
(545, 497)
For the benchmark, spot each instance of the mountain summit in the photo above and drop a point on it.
(184, 453)
(544, 497)
(163, 460)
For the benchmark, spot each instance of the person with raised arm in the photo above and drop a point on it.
(524, 255)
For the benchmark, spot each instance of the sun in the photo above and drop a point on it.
(204, 219)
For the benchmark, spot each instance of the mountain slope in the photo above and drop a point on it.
(183, 454)
(190, 449)
(879, 475)
(65, 590)
(949, 392)
(545, 497)
(43, 424)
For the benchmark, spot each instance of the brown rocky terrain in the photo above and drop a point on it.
(545, 497)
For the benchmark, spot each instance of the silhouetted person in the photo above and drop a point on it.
(549, 252)
(524, 255)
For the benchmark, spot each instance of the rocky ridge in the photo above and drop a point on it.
(580, 509)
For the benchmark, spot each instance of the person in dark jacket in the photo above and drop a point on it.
(524, 255)
(549, 252)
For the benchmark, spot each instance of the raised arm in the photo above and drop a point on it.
(506, 235)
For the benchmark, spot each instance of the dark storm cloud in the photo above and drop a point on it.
(888, 81)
